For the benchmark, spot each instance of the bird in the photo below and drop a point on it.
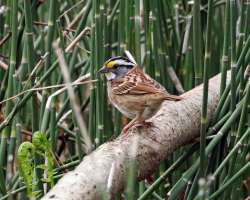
(134, 93)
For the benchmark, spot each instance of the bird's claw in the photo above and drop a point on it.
(144, 124)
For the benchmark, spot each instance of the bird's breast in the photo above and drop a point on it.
(120, 103)
(131, 105)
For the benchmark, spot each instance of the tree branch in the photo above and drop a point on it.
(176, 124)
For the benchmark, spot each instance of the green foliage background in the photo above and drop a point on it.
(191, 40)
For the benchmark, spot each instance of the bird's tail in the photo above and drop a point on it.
(170, 97)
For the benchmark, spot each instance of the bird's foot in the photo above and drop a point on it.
(139, 124)
(125, 131)
(149, 179)
(128, 126)
(148, 124)
(143, 124)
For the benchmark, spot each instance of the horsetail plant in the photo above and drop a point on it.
(45, 91)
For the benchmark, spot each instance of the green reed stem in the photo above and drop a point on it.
(197, 48)
(137, 32)
(30, 57)
(9, 92)
(207, 61)
(189, 173)
(231, 153)
(163, 176)
(229, 183)
(225, 56)
(240, 130)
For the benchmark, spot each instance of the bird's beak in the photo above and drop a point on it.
(103, 70)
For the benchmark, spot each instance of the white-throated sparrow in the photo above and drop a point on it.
(132, 92)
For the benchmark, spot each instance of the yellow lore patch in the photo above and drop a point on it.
(110, 64)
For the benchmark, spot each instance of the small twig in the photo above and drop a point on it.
(5, 38)
(78, 45)
(39, 63)
(76, 40)
(65, 12)
(67, 29)
(73, 100)
(79, 80)
(76, 19)
(46, 88)
(175, 80)
(3, 56)
(26, 132)
(187, 34)
(247, 72)
(39, 23)
(3, 65)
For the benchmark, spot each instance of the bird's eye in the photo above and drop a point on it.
(115, 66)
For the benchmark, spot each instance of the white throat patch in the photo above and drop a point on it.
(110, 76)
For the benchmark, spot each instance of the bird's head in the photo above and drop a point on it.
(116, 67)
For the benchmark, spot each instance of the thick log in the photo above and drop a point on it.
(176, 124)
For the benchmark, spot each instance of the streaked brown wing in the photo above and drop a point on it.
(123, 88)
(136, 82)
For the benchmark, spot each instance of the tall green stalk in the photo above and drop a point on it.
(233, 58)
(31, 57)
(225, 56)
(197, 40)
(207, 62)
(8, 107)
(137, 32)
(48, 49)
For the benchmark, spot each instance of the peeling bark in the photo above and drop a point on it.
(176, 124)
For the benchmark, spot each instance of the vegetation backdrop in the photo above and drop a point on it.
(181, 43)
